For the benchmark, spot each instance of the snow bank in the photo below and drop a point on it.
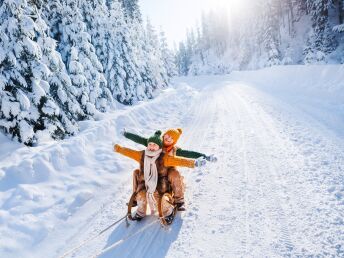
(316, 89)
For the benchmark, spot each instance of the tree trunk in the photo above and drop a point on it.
(291, 22)
(340, 11)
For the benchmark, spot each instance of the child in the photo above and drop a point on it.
(152, 175)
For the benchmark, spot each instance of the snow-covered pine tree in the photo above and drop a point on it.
(52, 15)
(141, 59)
(121, 71)
(83, 66)
(243, 43)
(155, 68)
(183, 60)
(339, 27)
(321, 40)
(15, 105)
(167, 56)
(193, 45)
(149, 81)
(96, 15)
(27, 110)
(131, 9)
(60, 85)
(271, 30)
(190, 44)
(290, 14)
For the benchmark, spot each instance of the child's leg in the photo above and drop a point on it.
(176, 181)
(136, 173)
(167, 208)
(141, 203)
(138, 181)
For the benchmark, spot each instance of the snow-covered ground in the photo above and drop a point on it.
(277, 189)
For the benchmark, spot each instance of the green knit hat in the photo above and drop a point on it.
(156, 138)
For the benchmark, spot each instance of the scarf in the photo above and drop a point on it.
(151, 175)
(169, 148)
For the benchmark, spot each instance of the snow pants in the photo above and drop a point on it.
(174, 178)
(141, 199)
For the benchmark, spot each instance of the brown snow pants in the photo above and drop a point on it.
(174, 178)
(141, 199)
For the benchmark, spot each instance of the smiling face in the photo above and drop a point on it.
(168, 140)
(153, 146)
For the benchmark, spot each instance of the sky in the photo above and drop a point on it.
(175, 16)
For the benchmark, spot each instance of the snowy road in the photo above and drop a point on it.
(276, 191)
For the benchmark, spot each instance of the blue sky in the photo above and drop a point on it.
(174, 16)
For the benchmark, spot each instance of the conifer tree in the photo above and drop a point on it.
(26, 71)
(83, 66)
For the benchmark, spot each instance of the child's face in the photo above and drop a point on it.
(168, 140)
(153, 146)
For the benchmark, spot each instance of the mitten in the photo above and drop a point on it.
(211, 158)
(200, 162)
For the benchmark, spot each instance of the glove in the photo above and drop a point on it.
(123, 131)
(200, 162)
(116, 147)
(211, 158)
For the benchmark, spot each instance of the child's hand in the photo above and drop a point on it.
(116, 147)
(200, 162)
(211, 158)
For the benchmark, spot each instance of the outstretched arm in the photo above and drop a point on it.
(170, 161)
(195, 155)
(136, 138)
(130, 153)
(189, 154)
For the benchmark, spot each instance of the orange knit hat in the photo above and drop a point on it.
(174, 133)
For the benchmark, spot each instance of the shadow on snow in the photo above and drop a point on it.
(155, 241)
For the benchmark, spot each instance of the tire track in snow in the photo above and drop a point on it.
(250, 184)
(285, 243)
(237, 177)
(196, 133)
(309, 204)
(219, 203)
(240, 145)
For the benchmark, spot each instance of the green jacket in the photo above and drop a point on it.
(180, 152)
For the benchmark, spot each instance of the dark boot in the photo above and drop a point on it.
(169, 219)
(137, 217)
(180, 206)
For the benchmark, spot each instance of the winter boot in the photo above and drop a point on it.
(137, 217)
(169, 218)
(180, 206)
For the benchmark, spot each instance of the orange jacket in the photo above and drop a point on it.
(169, 161)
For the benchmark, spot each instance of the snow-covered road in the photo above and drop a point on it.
(276, 191)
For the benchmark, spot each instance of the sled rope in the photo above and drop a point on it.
(81, 244)
(117, 243)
